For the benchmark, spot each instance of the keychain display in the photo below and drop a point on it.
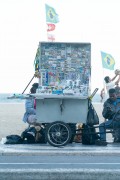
(66, 67)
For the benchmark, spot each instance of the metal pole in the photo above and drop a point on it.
(28, 85)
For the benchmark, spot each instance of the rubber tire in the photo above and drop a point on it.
(51, 139)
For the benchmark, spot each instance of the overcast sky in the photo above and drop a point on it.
(23, 25)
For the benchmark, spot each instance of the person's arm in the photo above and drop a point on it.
(105, 111)
(102, 93)
(114, 77)
(108, 111)
(117, 82)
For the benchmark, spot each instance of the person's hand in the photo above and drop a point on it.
(37, 75)
(117, 72)
(110, 110)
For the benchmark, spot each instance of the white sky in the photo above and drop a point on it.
(23, 25)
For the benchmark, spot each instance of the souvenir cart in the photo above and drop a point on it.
(64, 71)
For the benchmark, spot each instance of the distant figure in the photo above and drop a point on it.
(110, 83)
(30, 106)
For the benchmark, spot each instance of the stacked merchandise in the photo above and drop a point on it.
(65, 68)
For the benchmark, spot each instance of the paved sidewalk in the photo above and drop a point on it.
(70, 149)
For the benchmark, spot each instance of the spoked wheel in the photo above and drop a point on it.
(58, 134)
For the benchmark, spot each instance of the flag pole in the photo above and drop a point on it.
(102, 93)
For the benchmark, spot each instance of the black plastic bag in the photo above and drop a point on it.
(89, 135)
(14, 139)
(29, 135)
(92, 117)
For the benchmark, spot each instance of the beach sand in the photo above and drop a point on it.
(11, 118)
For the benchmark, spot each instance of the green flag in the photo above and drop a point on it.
(51, 15)
(108, 61)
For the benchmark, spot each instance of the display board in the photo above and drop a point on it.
(66, 67)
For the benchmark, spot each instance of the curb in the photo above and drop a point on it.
(44, 149)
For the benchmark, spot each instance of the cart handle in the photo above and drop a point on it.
(28, 84)
(92, 95)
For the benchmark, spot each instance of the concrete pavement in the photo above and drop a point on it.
(60, 174)
(70, 149)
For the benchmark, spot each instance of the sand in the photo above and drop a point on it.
(11, 118)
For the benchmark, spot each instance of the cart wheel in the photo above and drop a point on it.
(58, 133)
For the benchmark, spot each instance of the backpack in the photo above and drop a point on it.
(33, 135)
(89, 135)
(14, 139)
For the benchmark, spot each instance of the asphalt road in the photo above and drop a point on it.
(62, 161)
(60, 167)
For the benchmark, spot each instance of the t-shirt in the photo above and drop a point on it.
(110, 85)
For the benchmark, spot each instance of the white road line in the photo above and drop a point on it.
(58, 163)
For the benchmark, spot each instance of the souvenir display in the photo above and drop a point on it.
(65, 68)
